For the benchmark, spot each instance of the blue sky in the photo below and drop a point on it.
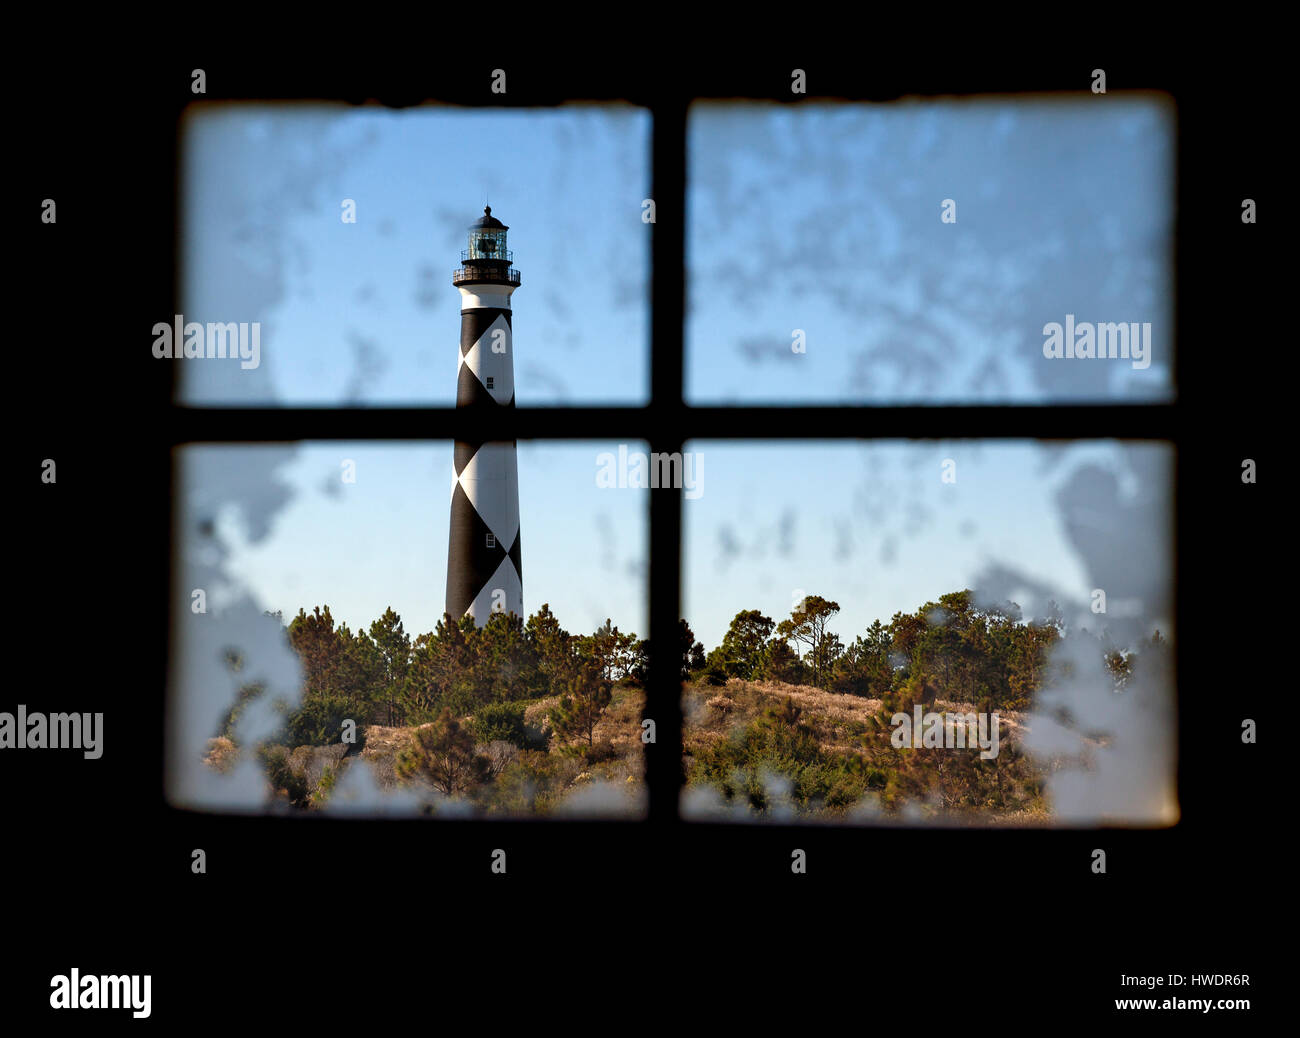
(875, 528)
(827, 219)
(820, 218)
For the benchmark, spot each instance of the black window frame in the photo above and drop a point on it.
(666, 423)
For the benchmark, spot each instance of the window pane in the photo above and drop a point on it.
(336, 230)
(915, 252)
(1015, 581)
(351, 544)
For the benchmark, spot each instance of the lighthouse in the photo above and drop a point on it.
(484, 573)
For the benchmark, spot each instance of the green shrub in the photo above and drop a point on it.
(319, 720)
(501, 721)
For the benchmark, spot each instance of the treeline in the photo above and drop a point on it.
(467, 688)
(951, 649)
(381, 675)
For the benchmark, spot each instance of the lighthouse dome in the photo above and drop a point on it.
(487, 220)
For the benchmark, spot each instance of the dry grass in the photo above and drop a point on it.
(538, 713)
(842, 724)
(383, 741)
(383, 745)
(310, 762)
(837, 720)
(222, 754)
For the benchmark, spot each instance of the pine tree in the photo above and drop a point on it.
(551, 643)
(807, 627)
(444, 753)
(394, 650)
(742, 645)
(585, 695)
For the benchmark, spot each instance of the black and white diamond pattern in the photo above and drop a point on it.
(487, 354)
(484, 572)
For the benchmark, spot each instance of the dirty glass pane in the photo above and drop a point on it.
(845, 596)
(311, 654)
(920, 251)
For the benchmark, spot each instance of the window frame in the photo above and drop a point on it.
(666, 423)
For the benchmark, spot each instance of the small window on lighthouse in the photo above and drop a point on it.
(489, 385)
(491, 540)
